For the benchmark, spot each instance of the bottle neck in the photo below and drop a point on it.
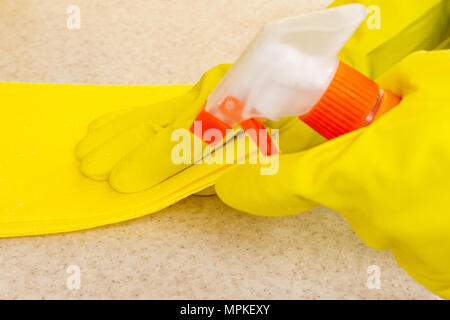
(371, 116)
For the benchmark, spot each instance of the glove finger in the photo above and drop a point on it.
(99, 163)
(246, 189)
(295, 135)
(147, 165)
(161, 114)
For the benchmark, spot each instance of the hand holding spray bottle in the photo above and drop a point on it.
(291, 69)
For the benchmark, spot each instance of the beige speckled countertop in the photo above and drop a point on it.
(197, 248)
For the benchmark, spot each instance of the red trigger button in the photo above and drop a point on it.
(260, 135)
(209, 121)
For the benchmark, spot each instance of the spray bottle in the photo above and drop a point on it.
(291, 69)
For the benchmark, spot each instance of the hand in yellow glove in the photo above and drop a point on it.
(391, 180)
(393, 30)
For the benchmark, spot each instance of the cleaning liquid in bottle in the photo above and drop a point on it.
(291, 69)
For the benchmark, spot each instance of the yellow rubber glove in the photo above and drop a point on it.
(391, 180)
(393, 30)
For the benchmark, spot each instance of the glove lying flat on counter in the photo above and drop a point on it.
(42, 188)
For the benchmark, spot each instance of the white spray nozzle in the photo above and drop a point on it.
(288, 66)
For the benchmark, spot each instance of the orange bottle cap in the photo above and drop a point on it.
(348, 104)
(209, 121)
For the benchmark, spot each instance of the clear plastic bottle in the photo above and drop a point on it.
(291, 69)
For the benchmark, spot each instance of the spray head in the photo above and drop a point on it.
(287, 70)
